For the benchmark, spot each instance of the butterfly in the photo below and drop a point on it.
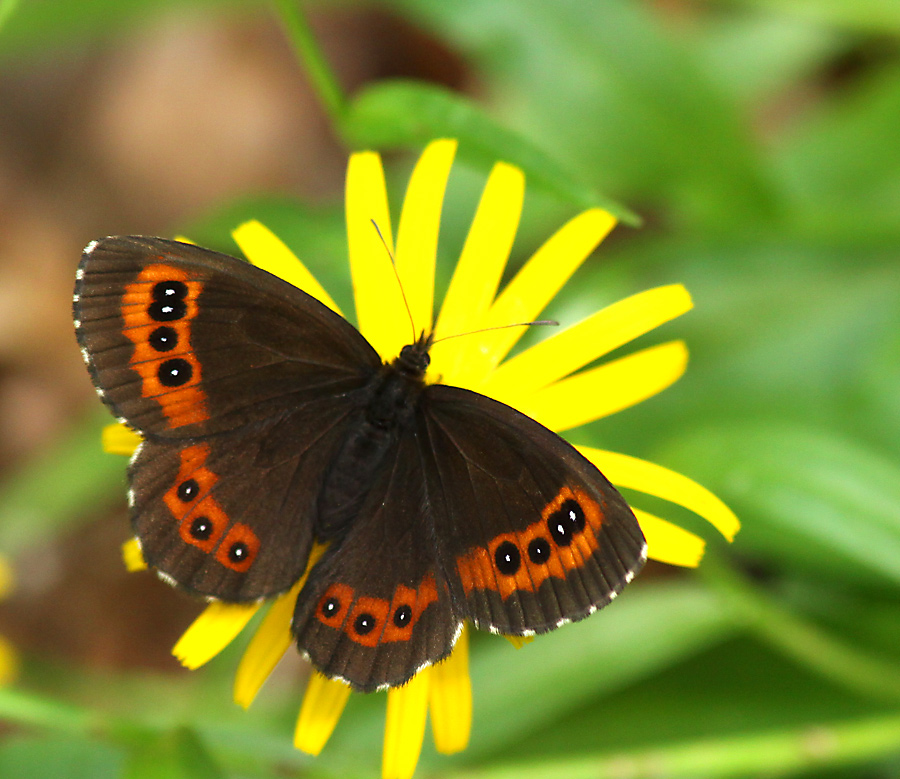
(269, 424)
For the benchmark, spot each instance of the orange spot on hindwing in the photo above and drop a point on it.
(157, 309)
(202, 522)
(562, 540)
(372, 621)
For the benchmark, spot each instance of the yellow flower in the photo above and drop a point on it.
(9, 664)
(543, 381)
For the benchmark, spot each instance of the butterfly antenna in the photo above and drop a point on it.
(412, 324)
(550, 322)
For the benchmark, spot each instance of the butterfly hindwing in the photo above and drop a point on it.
(232, 516)
(532, 534)
(376, 608)
(184, 342)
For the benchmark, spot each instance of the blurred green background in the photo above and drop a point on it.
(759, 142)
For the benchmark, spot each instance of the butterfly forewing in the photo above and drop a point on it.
(531, 534)
(183, 341)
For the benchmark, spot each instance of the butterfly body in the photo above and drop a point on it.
(269, 423)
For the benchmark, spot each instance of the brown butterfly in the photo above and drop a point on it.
(269, 423)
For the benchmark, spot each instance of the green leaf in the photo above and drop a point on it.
(71, 480)
(880, 16)
(651, 627)
(36, 25)
(397, 114)
(809, 499)
(815, 747)
(59, 756)
(842, 163)
(178, 754)
(628, 101)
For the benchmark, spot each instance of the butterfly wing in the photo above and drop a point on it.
(482, 514)
(243, 387)
(184, 342)
(376, 608)
(232, 516)
(532, 535)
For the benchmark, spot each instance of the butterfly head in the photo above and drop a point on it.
(414, 359)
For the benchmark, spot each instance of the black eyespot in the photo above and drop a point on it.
(575, 514)
(188, 490)
(365, 623)
(566, 522)
(402, 616)
(238, 552)
(539, 550)
(175, 372)
(167, 310)
(330, 608)
(201, 528)
(169, 290)
(163, 339)
(508, 558)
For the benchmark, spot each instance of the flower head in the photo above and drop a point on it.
(545, 381)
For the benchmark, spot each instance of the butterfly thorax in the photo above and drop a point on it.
(387, 407)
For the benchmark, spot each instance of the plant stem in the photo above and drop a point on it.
(310, 55)
(800, 639)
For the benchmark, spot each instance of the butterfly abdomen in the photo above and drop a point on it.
(364, 455)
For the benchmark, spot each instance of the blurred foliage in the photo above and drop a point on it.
(758, 139)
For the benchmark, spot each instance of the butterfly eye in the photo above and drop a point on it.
(402, 616)
(365, 623)
(539, 550)
(508, 558)
(163, 339)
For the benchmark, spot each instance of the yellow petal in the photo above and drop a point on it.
(450, 699)
(417, 234)
(271, 640)
(9, 663)
(405, 727)
(669, 543)
(380, 311)
(268, 645)
(267, 251)
(212, 631)
(477, 275)
(323, 704)
(118, 439)
(573, 348)
(132, 556)
(519, 641)
(602, 391)
(532, 289)
(652, 479)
